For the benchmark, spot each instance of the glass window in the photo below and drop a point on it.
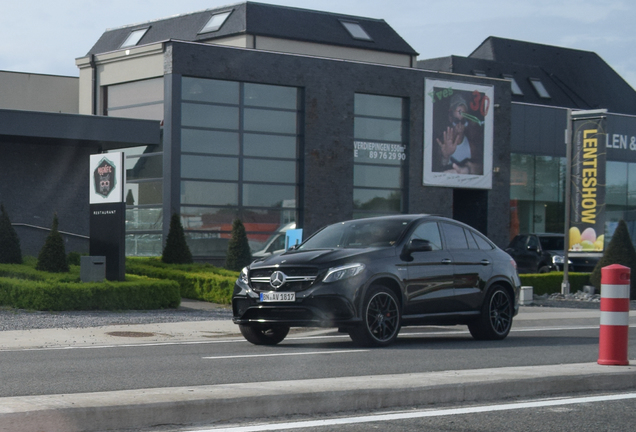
(144, 244)
(454, 236)
(377, 176)
(209, 141)
(267, 170)
(522, 176)
(356, 31)
(208, 218)
(540, 88)
(138, 99)
(260, 120)
(378, 106)
(144, 192)
(134, 37)
(258, 195)
(482, 242)
(428, 231)
(209, 168)
(547, 178)
(616, 181)
(207, 244)
(145, 167)
(269, 96)
(631, 185)
(209, 116)
(215, 22)
(269, 145)
(378, 129)
(145, 112)
(516, 90)
(209, 193)
(144, 219)
(209, 90)
(377, 200)
(472, 244)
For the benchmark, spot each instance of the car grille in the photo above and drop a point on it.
(296, 278)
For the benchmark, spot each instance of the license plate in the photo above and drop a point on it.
(278, 297)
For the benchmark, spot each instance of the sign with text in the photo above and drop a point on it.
(587, 221)
(458, 134)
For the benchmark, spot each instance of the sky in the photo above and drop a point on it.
(46, 36)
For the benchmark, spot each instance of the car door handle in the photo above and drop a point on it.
(446, 261)
(485, 262)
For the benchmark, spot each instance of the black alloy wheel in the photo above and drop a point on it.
(264, 335)
(496, 316)
(381, 319)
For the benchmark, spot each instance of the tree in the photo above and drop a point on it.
(52, 257)
(10, 252)
(238, 250)
(176, 250)
(619, 251)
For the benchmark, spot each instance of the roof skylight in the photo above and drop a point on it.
(514, 86)
(356, 31)
(215, 22)
(134, 37)
(540, 88)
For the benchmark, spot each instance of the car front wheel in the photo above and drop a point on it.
(495, 320)
(264, 335)
(380, 319)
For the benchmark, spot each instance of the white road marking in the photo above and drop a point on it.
(284, 354)
(423, 414)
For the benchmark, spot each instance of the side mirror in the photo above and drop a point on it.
(419, 245)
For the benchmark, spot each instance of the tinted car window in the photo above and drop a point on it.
(357, 234)
(533, 242)
(552, 243)
(429, 231)
(454, 236)
(482, 242)
(472, 244)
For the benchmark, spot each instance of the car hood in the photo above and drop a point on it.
(321, 257)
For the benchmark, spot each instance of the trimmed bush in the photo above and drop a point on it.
(52, 257)
(550, 283)
(176, 250)
(620, 250)
(10, 252)
(238, 249)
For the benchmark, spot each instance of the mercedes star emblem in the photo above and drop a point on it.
(277, 279)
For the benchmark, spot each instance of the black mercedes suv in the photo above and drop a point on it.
(370, 277)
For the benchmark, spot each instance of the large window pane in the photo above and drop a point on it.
(378, 106)
(207, 141)
(269, 145)
(547, 170)
(209, 116)
(271, 96)
(268, 170)
(134, 93)
(631, 186)
(144, 193)
(377, 200)
(209, 168)
(144, 219)
(207, 218)
(146, 167)
(144, 244)
(207, 244)
(209, 193)
(378, 129)
(260, 120)
(616, 181)
(143, 112)
(377, 176)
(208, 90)
(267, 195)
(521, 177)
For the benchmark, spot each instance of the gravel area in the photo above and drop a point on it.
(18, 319)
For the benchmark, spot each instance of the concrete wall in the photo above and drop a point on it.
(327, 154)
(36, 92)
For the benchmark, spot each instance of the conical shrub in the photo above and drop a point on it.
(238, 250)
(176, 250)
(10, 252)
(619, 251)
(52, 257)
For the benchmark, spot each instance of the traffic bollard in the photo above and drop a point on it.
(613, 337)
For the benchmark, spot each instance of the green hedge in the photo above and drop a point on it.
(196, 281)
(135, 293)
(550, 283)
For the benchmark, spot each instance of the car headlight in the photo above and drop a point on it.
(343, 272)
(558, 259)
(243, 276)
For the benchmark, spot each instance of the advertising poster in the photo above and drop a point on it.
(587, 221)
(458, 134)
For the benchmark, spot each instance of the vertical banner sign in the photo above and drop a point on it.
(587, 221)
(108, 212)
(458, 134)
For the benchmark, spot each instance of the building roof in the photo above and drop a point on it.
(572, 78)
(262, 20)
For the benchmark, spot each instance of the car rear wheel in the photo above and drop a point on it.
(380, 319)
(264, 335)
(495, 320)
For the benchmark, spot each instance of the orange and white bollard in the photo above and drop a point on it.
(613, 340)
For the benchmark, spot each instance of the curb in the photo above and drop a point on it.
(188, 406)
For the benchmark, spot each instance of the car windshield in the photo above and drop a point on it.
(357, 234)
(551, 243)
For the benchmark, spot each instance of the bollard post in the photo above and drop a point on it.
(613, 338)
